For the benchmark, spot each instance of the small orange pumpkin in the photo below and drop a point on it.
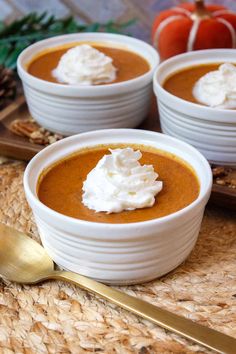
(193, 26)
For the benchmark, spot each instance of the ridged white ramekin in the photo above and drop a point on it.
(68, 109)
(212, 131)
(119, 253)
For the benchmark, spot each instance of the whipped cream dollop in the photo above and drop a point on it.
(84, 65)
(119, 182)
(217, 88)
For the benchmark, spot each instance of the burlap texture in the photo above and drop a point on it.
(55, 317)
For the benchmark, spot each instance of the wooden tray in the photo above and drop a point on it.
(12, 145)
(18, 147)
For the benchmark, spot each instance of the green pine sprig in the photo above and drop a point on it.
(33, 27)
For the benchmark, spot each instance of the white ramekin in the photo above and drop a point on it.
(68, 109)
(118, 253)
(212, 131)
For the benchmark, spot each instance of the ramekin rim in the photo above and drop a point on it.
(99, 225)
(90, 88)
(190, 105)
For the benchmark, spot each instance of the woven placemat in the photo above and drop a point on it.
(55, 317)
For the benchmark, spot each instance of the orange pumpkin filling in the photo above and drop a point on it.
(129, 65)
(60, 186)
(181, 83)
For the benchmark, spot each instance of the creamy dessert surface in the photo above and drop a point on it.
(60, 186)
(127, 63)
(207, 84)
(217, 88)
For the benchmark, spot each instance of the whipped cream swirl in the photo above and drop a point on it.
(217, 88)
(119, 182)
(85, 65)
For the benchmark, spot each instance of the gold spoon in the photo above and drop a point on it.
(23, 260)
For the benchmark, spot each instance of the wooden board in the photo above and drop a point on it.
(17, 147)
(12, 145)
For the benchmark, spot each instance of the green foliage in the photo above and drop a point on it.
(34, 27)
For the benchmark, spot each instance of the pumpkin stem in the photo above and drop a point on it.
(200, 10)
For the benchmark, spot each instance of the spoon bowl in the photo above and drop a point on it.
(23, 260)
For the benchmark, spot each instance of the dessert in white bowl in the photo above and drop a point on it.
(130, 246)
(183, 114)
(72, 108)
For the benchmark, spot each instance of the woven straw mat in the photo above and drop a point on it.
(56, 317)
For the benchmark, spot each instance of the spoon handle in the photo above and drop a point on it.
(203, 335)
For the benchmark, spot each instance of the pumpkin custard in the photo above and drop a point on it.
(60, 187)
(212, 85)
(128, 64)
(182, 82)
